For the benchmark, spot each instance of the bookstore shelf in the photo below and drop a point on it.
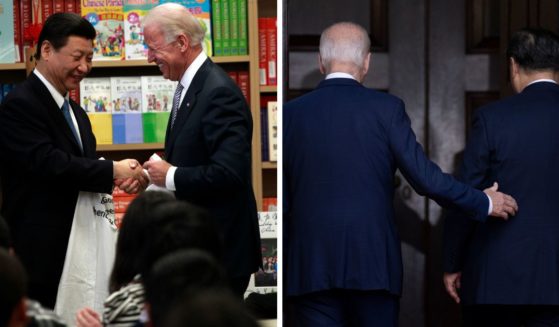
(130, 147)
(269, 165)
(268, 88)
(14, 66)
(144, 63)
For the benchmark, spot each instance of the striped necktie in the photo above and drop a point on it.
(176, 104)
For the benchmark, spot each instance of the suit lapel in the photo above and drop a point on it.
(55, 112)
(187, 106)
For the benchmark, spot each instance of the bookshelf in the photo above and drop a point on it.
(263, 173)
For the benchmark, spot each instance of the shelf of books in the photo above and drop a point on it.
(128, 102)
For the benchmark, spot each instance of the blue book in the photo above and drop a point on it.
(119, 129)
(7, 44)
(127, 128)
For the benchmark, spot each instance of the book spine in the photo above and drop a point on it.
(234, 76)
(243, 29)
(217, 29)
(47, 9)
(70, 6)
(271, 51)
(18, 36)
(225, 28)
(244, 85)
(58, 6)
(262, 64)
(234, 27)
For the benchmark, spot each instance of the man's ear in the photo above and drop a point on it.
(19, 314)
(321, 65)
(366, 64)
(46, 50)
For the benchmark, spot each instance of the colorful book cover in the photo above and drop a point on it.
(243, 29)
(134, 11)
(273, 130)
(126, 95)
(216, 28)
(234, 27)
(7, 44)
(107, 18)
(95, 99)
(201, 10)
(265, 280)
(157, 102)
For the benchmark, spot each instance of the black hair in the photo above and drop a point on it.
(58, 27)
(181, 274)
(5, 239)
(209, 309)
(535, 49)
(131, 238)
(12, 285)
(180, 225)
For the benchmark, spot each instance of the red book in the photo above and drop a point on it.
(47, 9)
(70, 6)
(121, 203)
(58, 6)
(26, 20)
(262, 67)
(244, 85)
(234, 76)
(270, 204)
(18, 37)
(78, 7)
(272, 50)
(75, 95)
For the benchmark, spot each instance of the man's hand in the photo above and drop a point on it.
(130, 177)
(504, 205)
(452, 284)
(86, 317)
(157, 171)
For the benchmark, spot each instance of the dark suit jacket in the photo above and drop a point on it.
(210, 144)
(342, 144)
(42, 172)
(514, 142)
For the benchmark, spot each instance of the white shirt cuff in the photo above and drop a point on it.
(170, 181)
(488, 198)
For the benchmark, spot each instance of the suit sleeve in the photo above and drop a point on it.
(227, 132)
(425, 176)
(474, 171)
(27, 139)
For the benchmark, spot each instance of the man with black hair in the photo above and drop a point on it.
(507, 274)
(48, 153)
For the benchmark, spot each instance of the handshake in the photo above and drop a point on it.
(131, 177)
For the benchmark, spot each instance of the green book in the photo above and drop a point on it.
(243, 33)
(155, 126)
(234, 26)
(225, 28)
(216, 28)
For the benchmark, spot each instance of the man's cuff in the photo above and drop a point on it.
(488, 198)
(170, 181)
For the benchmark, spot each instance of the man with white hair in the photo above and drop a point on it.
(209, 138)
(342, 144)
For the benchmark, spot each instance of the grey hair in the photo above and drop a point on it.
(344, 42)
(174, 19)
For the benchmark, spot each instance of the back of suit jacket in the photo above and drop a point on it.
(210, 144)
(42, 171)
(342, 144)
(514, 142)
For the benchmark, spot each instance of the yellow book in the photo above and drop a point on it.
(102, 124)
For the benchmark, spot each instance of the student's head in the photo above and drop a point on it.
(173, 37)
(180, 225)
(134, 231)
(65, 50)
(345, 47)
(12, 291)
(208, 309)
(532, 51)
(179, 274)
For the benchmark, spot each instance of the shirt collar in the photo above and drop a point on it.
(188, 75)
(542, 80)
(58, 98)
(339, 75)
